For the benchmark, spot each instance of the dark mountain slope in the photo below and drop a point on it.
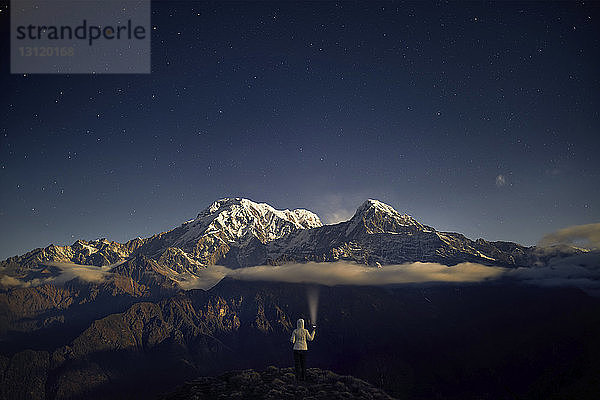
(455, 342)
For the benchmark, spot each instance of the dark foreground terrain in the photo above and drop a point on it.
(277, 383)
(488, 341)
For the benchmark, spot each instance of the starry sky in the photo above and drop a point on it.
(479, 118)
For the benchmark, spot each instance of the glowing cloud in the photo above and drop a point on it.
(580, 235)
(68, 271)
(347, 273)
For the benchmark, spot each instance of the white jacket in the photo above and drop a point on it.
(300, 336)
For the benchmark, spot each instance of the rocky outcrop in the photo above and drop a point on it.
(278, 384)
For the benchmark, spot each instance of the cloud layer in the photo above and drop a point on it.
(582, 271)
(87, 273)
(347, 273)
(578, 235)
(67, 271)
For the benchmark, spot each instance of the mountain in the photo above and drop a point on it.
(237, 232)
(98, 252)
(49, 287)
(379, 234)
(100, 319)
(43, 288)
(229, 231)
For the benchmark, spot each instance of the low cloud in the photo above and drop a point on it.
(87, 273)
(337, 216)
(202, 279)
(578, 270)
(67, 272)
(346, 273)
(10, 281)
(578, 235)
(335, 208)
(582, 271)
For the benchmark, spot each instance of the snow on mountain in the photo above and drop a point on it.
(231, 231)
(241, 219)
(238, 232)
(376, 217)
(377, 233)
(100, 252)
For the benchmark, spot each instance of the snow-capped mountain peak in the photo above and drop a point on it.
(240, 220)
(369, 203)
(378, 217)
(374, 216)
(300, 218)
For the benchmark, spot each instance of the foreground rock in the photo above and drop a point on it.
(277, 383)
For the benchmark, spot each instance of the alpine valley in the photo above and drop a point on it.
(101, 319)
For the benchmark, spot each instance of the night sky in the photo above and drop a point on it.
(479, 118)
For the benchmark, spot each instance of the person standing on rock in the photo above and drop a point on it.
(299, 338)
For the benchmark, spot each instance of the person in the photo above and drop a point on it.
(299, 337)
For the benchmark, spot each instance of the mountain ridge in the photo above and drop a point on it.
(237, 232)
